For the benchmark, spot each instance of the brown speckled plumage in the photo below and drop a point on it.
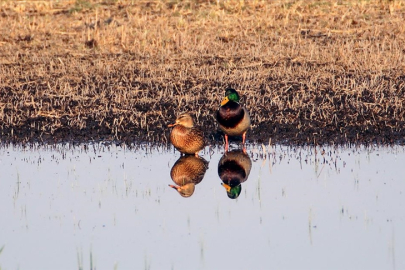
(187, 172)
(185, 137)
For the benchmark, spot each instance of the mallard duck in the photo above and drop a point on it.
(185, 137)
(234, 169)
(187, 172)
(233, 118)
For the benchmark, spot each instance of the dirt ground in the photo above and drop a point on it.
(309, 72)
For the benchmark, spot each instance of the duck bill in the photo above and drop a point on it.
(175, 187)
(224, 101)
(171, 125)
(227, 187)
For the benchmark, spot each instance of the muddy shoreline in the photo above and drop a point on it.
(262, 134)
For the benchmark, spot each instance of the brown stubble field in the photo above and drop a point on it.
(323, 72)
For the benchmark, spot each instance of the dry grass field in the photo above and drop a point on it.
(324, 72)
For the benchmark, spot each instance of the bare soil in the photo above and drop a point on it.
(309, 72)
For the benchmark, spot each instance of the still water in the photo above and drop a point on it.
(109, 207)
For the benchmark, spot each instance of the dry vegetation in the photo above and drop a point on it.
(309, 71)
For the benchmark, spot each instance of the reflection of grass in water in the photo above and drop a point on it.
(1, 250)
(80, 260)
(146, 262)
(91, 260)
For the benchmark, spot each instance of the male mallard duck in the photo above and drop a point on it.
(185, 137)
(187, 172)
(233, 118)
(234, 169)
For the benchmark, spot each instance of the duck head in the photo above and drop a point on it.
(230, 95)
(183, 119)
(232, 192)
(185, 191)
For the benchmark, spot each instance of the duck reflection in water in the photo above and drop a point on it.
(187, 172)
(233, 169)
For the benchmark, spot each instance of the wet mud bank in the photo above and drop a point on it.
(261, 133)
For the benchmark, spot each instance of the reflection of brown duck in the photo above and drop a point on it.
(233, 169)
(187, 172)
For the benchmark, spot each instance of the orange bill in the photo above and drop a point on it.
(227, 187)
(224, 101)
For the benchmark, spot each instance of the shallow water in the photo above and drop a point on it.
(109, 207)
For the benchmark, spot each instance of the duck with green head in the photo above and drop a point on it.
(234, 169)
(232, 117)
(185, 137)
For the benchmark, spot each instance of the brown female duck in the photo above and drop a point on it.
(185, 137)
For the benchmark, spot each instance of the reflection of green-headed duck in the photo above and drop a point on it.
(185, 137)
(233, 169)
(233, 118)
(187, 172)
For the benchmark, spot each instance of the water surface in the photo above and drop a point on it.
(110, 207)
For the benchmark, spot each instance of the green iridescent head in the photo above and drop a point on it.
(230, 94)
(233, 192)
